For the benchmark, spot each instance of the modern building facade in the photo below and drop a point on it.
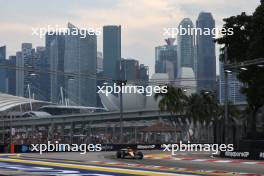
(166, 59)
(40, 58)
(19, 74)
(11, 75)
(112, 51)
(24, 58)
(100, 64)
(28, 61)
(56, 60)
(186, 45)
(3, 78)
(206, 59)
(234, 87)
(129, 69)
(46, 65)
(187, 80)
(3, 53)
(80, 59)
(143, 72)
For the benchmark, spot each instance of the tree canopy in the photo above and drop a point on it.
(246, 44)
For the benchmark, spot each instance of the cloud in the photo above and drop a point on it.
(142, 20)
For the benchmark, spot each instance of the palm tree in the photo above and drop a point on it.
(202, 108)
(234, 115)
(194, 108)
(173, 101)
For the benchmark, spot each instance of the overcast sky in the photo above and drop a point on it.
(142, 21)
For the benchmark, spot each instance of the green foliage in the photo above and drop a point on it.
(173, 101)
(199, 107)
(202, 107)
(247, 43)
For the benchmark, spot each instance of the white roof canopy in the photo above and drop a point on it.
(9, 101)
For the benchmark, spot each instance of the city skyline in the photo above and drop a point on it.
(140, 32)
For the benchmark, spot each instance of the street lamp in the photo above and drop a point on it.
(228, 71)
(226, 97)
(121, 83)
(206, 92)
(70, 78)
(244, 68)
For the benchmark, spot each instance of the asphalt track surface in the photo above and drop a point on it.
(105, 164)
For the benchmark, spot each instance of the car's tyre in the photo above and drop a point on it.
(140, 155)
(119, 154)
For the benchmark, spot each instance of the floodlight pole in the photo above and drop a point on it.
(121, 83)
(225, 134)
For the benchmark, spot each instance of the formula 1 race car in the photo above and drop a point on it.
(129, 153)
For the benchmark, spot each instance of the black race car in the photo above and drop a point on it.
(129, 153)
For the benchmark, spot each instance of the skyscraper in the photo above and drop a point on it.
(56, 60)
(100, 61)
(46, 65)
(112, 51)
(11, 75)
(27, 79)
(2, 53)
(41, 83)
(3, 79)
(234, 86)
(19, 74)
(143, 73)
(24, 60)
(186, 45)
(206, 59)
(129, 69)
(80, 59)
(166, 59)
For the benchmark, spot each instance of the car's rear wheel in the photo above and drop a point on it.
(119, 154)
(140, 155)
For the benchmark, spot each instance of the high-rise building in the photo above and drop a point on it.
(27, 57)
(132, 71)
(186, 45)
(11, 75)
(27, 79)
(31, 78)
(24, 60)
(100, 61)
(19, 74)
(56, 60)
(166, 59)
(186, 63)
(2, 53)
(80, 59)
(143, 72)
(206, 59)
(234, 86)
(112, 51)
(46, 65)
(3, 78)
(40, 59)
(129, 69)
